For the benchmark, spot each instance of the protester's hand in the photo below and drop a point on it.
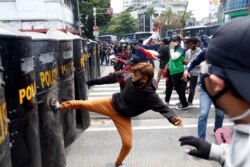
(117, 74)
(156, 58)
(171, 45)
(177, 121)
(111, 74)
(202, 147)
(185, 61)
(185, 76)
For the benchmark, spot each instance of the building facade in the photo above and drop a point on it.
(177, 6)
(40, 15)
(139, 8)
(236, 8)
(138, 3)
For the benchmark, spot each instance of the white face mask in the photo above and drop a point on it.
(242, 116)
(174, 43)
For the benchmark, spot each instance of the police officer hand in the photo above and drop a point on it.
(202, 147)
(177, 121)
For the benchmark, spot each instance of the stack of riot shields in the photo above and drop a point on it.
(45, 52)
(98, 73)
(20, 94)
(66, 83)
(82, 116)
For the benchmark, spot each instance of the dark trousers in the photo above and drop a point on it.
(102, 80)
(176, 81)
(104, 57)
(193, 82)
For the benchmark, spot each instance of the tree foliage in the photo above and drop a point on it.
(170, 20)
(150, 12)
(122, 23)
(87, 18)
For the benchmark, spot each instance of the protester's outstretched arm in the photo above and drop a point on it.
(205, 150)
(165, 111)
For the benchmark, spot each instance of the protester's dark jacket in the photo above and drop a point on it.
(164, 56)
(133, 101)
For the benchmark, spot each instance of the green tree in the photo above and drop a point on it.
(188, 17)
(122, 23)
(150, 12)
(169, 21)
(87, 18)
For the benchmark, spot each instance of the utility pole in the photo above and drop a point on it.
(182, 20)
(78, 18)
(96, 11)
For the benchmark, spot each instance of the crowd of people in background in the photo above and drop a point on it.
(221, 67)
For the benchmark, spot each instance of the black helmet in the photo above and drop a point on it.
(176, 38)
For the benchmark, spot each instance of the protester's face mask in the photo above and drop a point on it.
(139, 80)
(138, 83)
(215, 97)
(174, 43)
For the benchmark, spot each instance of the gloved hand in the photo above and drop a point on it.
(202, 147)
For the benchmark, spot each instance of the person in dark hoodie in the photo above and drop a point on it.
(138, 96)
(226, 82)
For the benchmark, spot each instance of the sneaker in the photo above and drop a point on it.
(54, 107)
(190, 103)
(181, 107)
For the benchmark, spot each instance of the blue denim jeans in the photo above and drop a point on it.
(205, 104)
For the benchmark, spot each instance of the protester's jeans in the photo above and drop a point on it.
(205, 104)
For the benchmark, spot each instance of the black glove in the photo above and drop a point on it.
(202, 147)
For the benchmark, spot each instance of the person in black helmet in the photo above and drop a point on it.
(227, 83)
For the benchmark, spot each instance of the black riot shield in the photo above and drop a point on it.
(45, 51)
(98, 59)
(66, 83)
(86, 51)
(92, 60)
(20, 93)
(82, 116)
(5, 159)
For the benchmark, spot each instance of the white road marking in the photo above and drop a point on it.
(152, 127)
